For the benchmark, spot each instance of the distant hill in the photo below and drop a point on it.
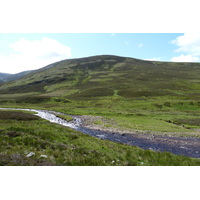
(108, 75)
(4, 77)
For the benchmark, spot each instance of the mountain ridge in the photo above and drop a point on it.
(6, 77)
(3, 76)
(108, 75)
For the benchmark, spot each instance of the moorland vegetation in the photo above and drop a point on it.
(127, 93)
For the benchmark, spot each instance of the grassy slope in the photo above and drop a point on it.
(126, 77)
(138, 94)
(63, 146)
(130, 94)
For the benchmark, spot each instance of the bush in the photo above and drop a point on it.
(167, 104)
(17, 115)
(60, 100)
(32, 99)
(130, 93)
(94, 92)
(159, 106)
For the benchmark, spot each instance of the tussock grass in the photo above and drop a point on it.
(93, 92)
(33, 99)
(64, 146)
(17, 115)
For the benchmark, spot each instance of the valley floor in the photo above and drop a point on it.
(93, 125)
(172, 127)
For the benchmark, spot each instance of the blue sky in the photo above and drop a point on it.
(20, 52)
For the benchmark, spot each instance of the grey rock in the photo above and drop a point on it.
(43, 156)
(30, 154)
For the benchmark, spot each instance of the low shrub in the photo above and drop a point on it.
(33, 99)
(94, 92)
(131, 93)
(17, 115)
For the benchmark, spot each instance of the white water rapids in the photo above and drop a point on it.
(50, 116)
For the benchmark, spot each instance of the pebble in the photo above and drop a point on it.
(30, 154)
(101, 136)
(182, 147)
(43, 156)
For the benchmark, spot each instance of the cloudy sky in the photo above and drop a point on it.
(36, 33)
(20, 52)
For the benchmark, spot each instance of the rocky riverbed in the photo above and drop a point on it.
(170, 142)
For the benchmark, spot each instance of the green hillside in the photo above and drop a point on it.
(111, 93)
(137, 94)
(100, 76)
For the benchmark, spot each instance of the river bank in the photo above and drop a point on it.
(188, 146)
(103, 124)
(175, 143)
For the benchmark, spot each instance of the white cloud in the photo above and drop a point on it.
(189, 45)
(28, 55)
(154, 59)
(185, 58)
(140, 45)
(187, 39)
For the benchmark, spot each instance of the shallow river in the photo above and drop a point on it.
(188, 146)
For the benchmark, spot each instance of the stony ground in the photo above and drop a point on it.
(174, 142)
(108, 125)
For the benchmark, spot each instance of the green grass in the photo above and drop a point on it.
(99, 122)
(129, 94)
(64, 146)
(160, 115)
(65, 117)
(131, 77)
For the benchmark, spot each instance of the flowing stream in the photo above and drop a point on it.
(187, 146)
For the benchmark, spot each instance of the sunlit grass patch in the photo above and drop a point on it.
(136, 122)
(65, 117)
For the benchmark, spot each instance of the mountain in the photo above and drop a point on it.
(108, 75)
(4, 77)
